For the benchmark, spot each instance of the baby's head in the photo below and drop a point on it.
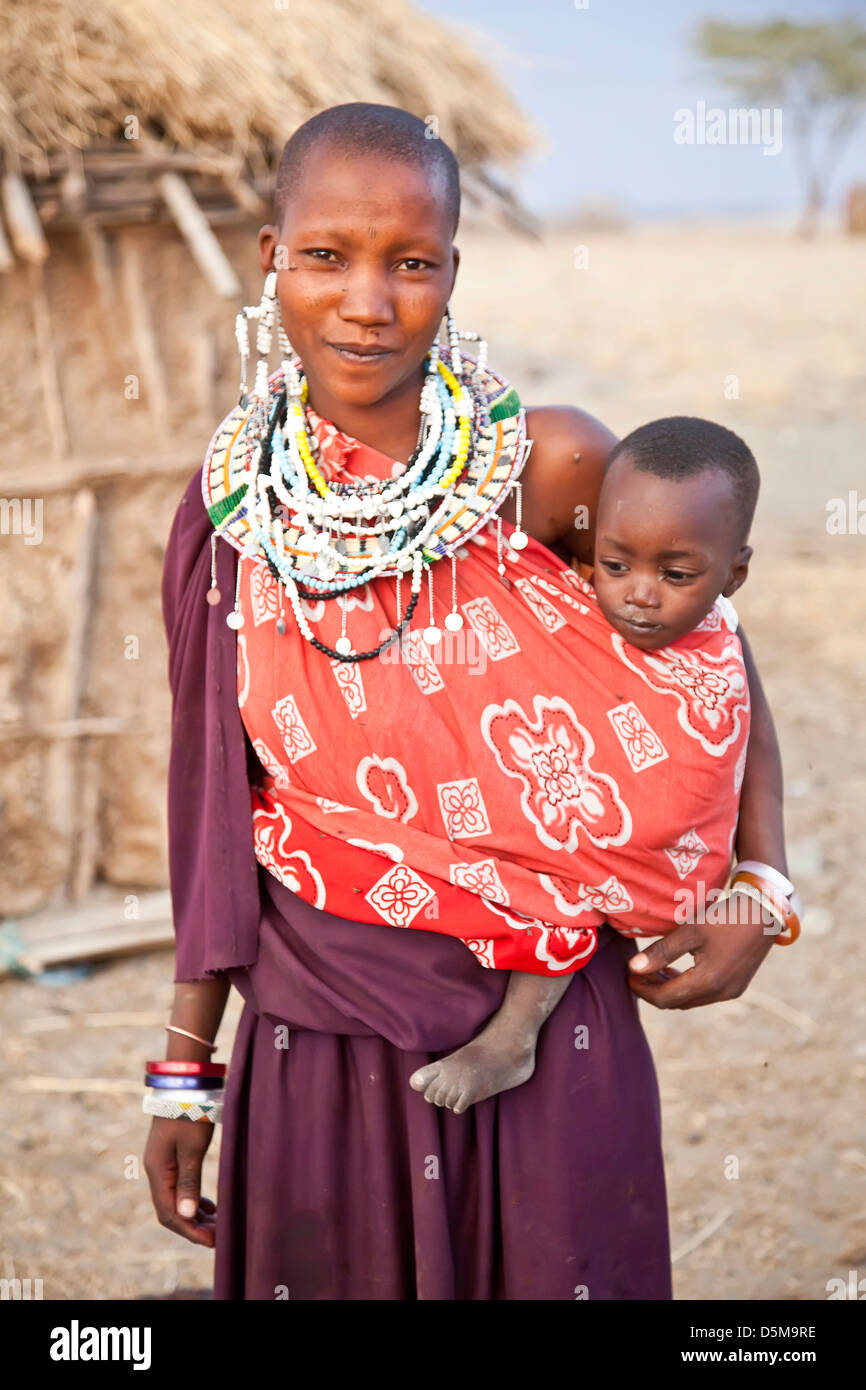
(674, 513)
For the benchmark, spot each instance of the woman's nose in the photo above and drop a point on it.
(365, 299)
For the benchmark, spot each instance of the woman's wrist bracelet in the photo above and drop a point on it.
(184, 1032)
(776, 893)
(203, 1109)
(184, 1090)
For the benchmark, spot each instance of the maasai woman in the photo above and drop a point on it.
(337, 1181)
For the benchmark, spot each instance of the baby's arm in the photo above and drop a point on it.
(761, 828)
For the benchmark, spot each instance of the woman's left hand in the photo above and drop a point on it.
(727, 954)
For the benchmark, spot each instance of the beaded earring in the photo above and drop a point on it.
(265, 314)
(519, 538)
(469, 336)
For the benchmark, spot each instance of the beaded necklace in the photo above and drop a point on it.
(267, 496)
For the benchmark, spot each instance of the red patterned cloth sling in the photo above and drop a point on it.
(528, 778)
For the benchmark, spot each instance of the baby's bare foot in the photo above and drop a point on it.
(491, 1063)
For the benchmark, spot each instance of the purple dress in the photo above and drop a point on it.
(337, 1181)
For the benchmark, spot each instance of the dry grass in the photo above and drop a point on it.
(230, 76)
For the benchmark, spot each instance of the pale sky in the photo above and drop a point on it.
(603, 83)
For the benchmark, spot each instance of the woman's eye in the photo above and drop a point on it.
(414, 263)
(319, 253)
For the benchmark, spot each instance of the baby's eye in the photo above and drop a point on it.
(614, 566)
(678, 576)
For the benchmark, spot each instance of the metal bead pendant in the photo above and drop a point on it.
(213, 597)
(235, 620)
(281, 626)
(432, 635)
(454, 622)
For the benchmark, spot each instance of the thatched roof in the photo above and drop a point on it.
(226, 78)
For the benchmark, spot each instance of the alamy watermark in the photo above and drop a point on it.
(737, 126)
(22, 516)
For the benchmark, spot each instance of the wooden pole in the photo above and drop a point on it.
(63, 759)
(142, 329)
(193, 225)
(7, 260)
(48, 371)
(244, 194)
(22, 219)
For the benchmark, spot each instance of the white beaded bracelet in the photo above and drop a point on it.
(200, 1108)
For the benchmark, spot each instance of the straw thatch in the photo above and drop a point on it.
(230, 80)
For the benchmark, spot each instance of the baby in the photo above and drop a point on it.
(674, 514)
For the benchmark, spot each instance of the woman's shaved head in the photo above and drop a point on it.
(365, 128)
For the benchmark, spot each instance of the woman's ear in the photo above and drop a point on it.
(455, 257)
(268, 239)
(739, 572)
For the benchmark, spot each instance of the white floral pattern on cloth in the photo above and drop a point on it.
(272, 765)
(549, 617)
(328, 807)
(559, 593)
(557, 947)
(297, 739)
(383, 782)
(420, 662)
(686, 854)
(494, 633)
(712, 692)
(641, 744)
(482, 877)
(722, 614)
(609, 897)
(740, 769)
(390, 851)
(263, 594)
(463, 809)
(550, 755)
(272, 831)
(399, 895)
(351, 686)
(243, 671)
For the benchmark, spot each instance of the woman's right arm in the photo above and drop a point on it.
(175, 1149)
(212, 865)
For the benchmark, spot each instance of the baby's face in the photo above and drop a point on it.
(664, 551)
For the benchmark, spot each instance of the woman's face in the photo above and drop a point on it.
(365, 267)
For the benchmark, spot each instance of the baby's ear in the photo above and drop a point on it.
(739, 571)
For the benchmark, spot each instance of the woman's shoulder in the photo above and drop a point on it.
(561, 431)
(569, 450)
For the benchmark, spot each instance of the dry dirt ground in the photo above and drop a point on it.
(765, 1137)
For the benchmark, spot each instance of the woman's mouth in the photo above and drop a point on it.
(358, 352)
